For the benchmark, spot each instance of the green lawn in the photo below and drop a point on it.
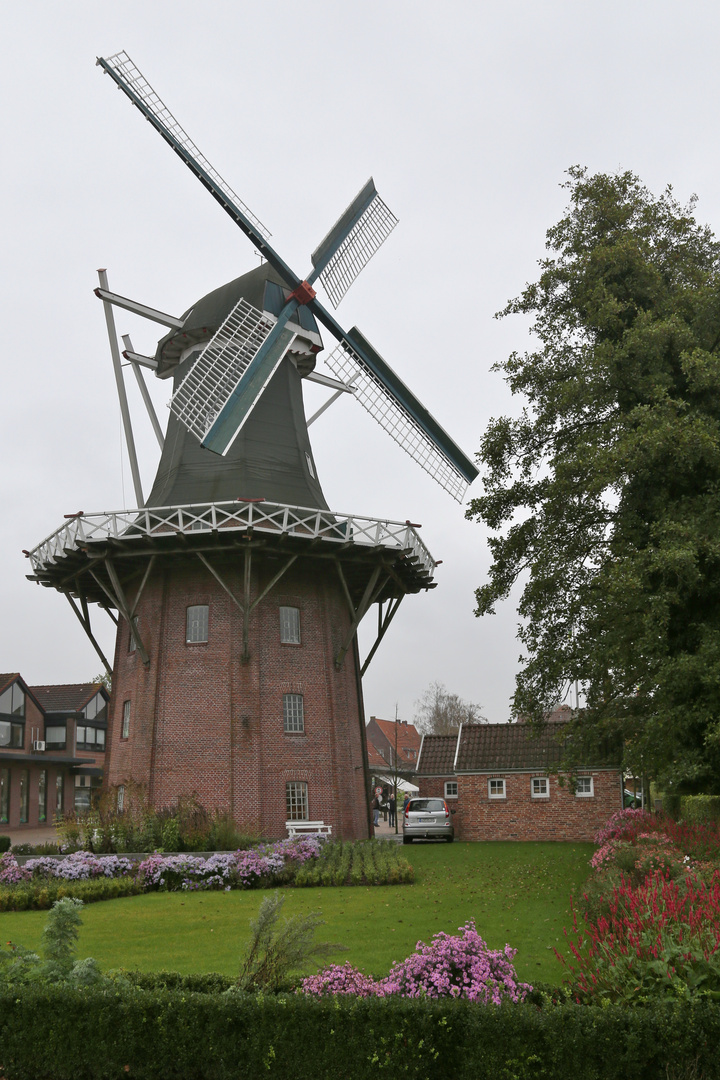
(517, 894)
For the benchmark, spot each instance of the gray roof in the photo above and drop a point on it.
(65, 697)
(437, 755)
(504, 747)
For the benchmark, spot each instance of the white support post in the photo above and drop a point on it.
(145, 393)
(120, 383)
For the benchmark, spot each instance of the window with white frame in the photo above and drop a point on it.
(584, 787)
(289, 626)
(296, 801)
(496, 789)
(540, 787)
(293, 714)
(451, 790)
(125, 733)
(196, 624)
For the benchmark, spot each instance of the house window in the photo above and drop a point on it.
(82, 793)
(131, 640)
(55, 736)
(42, 795)
(290, 625)
(4, 795)
(539, 787)
(496, 789)
(12, 702)
(120, 798)
(196, 625)
(96, 709)
(584, 787)
(125, 733)
(451, 789)
(12, 734)
(59, 791)
(296, 801)
(24, 792)
(293, 713)
(90, 738)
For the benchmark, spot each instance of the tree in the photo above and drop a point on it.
(440, 713)
(604, 493)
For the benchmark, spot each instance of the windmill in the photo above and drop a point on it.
(237, 593)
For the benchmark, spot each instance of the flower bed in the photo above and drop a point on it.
(280, 863)
(460, 966)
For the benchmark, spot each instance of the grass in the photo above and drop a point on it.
(517, 894)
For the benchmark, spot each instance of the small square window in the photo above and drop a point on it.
(125, 720)
(496, 789)
(196, 628)
(540, 787)
(451, 789)
(293, 713)
(290, 625)
(296, 801)
(584, 787)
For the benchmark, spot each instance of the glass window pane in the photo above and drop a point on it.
(293, 713)
(24, 795)
(126, 720)
(55, 736)
(290, 625)
(296, 801)
(4, 795)
(18, 700)
(6, 702)
(100, 738)
(197, 623)
(5, 732)
(42, 795)
(59, 786)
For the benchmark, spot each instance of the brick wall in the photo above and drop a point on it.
(205, 722)
(519, 816)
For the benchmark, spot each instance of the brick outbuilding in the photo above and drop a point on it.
(503, 783)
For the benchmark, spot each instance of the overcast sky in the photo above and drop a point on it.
(466, 114)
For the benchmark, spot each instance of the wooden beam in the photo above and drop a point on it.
(122, 606)
(220, 582)
(274, 582)
(86, 627)
(146, 575)
(246, 612)
(368, 597)
(390, 615)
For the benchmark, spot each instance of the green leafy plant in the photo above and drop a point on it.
(57, 964)
(276, 951)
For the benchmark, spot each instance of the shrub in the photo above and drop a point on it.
(459, 966)
(661, 938)
(4, 844)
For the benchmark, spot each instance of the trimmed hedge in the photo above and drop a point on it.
(700, 809)
(179, 1035)
(40, 894)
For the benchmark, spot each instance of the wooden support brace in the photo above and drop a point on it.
(85, 623)
(389, 616)
(370, 594)
(120, 602)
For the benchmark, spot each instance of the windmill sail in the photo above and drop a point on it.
(352, 242)
(215, 374)
(419, 436)
(134, 84)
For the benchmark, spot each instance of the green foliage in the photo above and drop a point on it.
(357, 862)
(40, 894)
(4, 844)
(700, 808)
(274, 952)
(603, 493)
(161, 1034)
(58, 965)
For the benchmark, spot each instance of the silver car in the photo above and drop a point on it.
(427, 819)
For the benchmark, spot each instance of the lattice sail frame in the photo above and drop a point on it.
(357, 249)
(123, 66)
(372, 394)
(212, 378)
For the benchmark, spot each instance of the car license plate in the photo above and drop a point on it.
(424, 819)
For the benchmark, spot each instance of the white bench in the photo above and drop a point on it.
(300, 828)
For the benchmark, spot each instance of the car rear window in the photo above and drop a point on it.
(426, 804)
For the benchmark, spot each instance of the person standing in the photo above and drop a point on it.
(376, 811)
(392, 805)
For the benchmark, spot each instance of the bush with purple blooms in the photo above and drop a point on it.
(454, 966)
